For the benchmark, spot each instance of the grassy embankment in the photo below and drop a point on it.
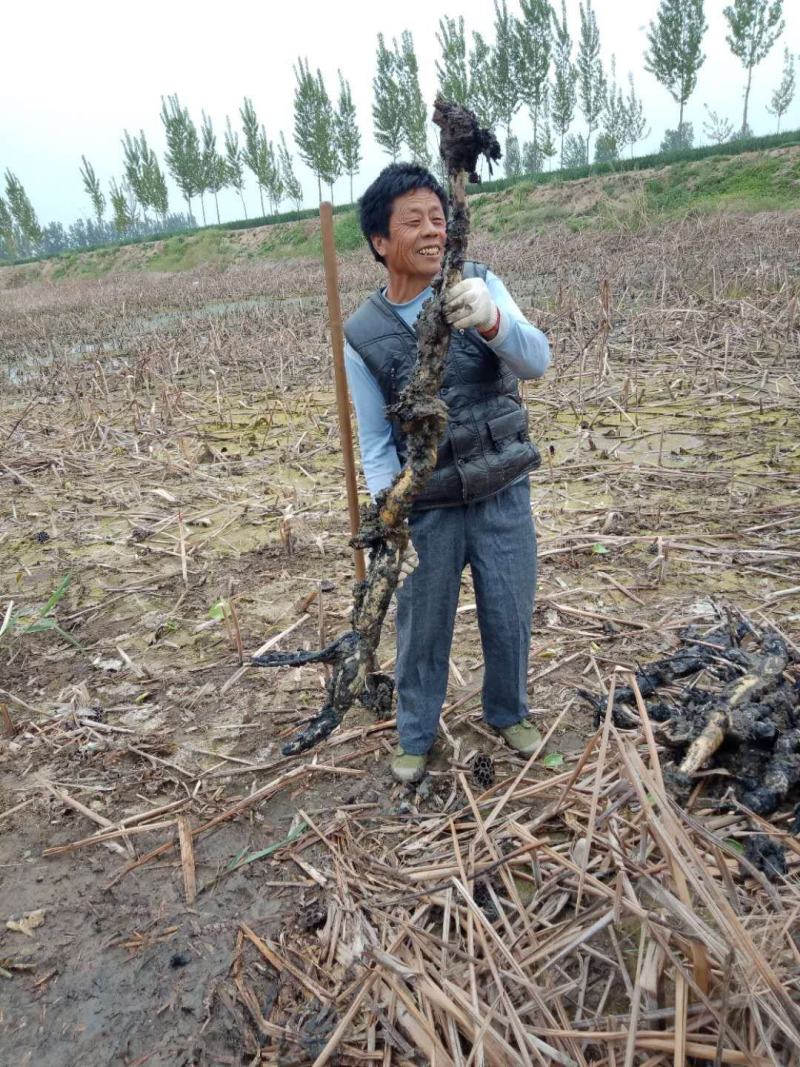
(749, 182)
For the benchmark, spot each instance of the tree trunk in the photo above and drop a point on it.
(261, 196)
(331, 189)
(203, 208)
(244, 206)
(680, 120)
(351, 175)
(189, 206)
(319, 188)
(216, 203)
(562, 148)
(746, 100)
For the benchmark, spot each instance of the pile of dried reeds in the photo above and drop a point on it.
(584, 919)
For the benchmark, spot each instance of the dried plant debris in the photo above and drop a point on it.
(748, 724)
(423, 416)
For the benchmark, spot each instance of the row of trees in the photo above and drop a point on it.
(533, 63)
(530, 65)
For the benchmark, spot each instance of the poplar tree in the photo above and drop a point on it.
(156, 185)
(133, 166)
(91, 184)
(215, 172)
(251, 143)
(674, 53)
(233, 162)
(183, 148)
(314, 132)
(414, 113)
(534, 48)
(513, 159)
(591, 79)
(504, 66)
(754, 27)
(270, 171)
(387, 104)
(21, 209)
(348, 137)
(481, 98)
(8, 236)
(637, 126)
(123, 216)
(615, 121)
(293, 188)
(452, 70)
(782, 97)
(564, 91)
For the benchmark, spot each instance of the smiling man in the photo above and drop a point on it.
(475, 508)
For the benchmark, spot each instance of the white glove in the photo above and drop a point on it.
(408, 564)
(469, 303)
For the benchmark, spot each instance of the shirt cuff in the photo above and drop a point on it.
(503, 330)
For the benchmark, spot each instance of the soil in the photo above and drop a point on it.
(179, 468)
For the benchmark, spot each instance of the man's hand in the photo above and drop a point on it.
(470, 304)
(408, 563)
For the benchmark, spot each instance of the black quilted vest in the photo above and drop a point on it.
(486, 445)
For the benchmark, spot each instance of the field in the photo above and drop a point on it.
(173, 496)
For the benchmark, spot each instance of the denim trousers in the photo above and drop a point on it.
(496, 537)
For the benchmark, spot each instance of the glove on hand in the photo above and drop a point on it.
(408, 564)
(469, 303)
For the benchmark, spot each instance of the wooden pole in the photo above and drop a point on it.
(342, 398)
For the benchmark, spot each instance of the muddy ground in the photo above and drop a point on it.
(171, 475)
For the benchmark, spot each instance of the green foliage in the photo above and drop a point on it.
(512, 158)
(783, 95)
(121, 206)
(452, 70)
(214, 167)
(534, 34)
(41, 621)
(678, 140)
(606, 148)
(91, 184)
(387, 104)
(293, 188)
(753, 28)
(183, 148)
(576, 152)
(674, 52)
(314, 129)
(21, 210)
(591, 78)
(234, 164)
(564, 95)
(717, 128)
(414, 109)
(504, 66)
(9, 246)
(482, 99)
(656, 159)
(348, 137)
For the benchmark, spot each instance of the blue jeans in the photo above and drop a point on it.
(496, 538)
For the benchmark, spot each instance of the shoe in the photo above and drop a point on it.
(522, 736)
(407, 768)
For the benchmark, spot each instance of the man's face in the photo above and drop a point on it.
(417, 230)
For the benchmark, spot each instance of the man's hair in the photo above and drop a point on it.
(375, 206)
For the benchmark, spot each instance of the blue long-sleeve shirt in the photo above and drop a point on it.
(522, 347)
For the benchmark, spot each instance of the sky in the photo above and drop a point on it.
(76, 74)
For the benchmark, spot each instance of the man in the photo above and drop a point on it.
(476, 507)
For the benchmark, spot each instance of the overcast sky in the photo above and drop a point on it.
(75, 74)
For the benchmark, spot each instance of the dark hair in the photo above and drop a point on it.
(375, 206)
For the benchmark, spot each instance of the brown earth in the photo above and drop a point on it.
(172, 456)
